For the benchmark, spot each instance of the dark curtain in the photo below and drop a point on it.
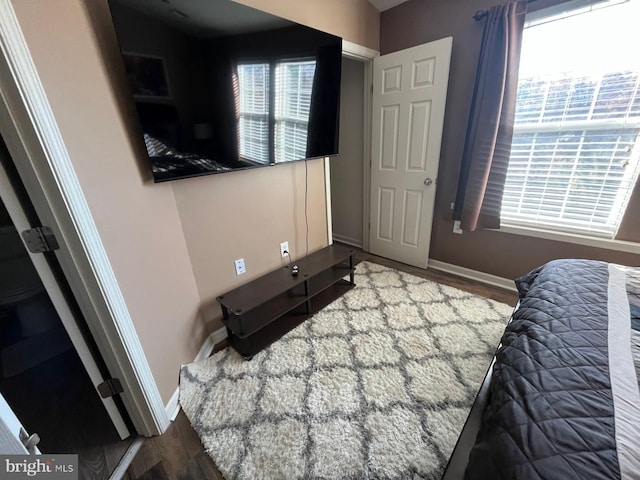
(490, 129)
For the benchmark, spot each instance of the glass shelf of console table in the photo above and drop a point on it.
(251, 310)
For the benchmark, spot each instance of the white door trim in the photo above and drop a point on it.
(10, 427)
(21, 223)
(366, 157)
(38, 150)
(358, 52)
(366, 55)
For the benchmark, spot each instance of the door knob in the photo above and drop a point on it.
(428, 182)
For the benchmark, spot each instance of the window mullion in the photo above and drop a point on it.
(594, 101)
(272, 111)
(526, 174)
(612, 213)
(635, 94)
(572, 175)
(630, 177)
(546, 183)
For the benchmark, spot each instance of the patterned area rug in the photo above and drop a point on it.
(376, 385)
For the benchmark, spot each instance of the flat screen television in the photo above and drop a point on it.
(219, 86)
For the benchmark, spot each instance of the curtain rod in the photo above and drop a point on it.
(480, 14)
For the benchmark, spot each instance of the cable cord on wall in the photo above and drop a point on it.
(306, 201)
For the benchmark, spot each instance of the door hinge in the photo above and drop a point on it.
(40, 239)
(29, 441)
(110, 387)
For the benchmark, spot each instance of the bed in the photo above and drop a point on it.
(560, 400)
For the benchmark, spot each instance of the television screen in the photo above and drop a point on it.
(219, 86)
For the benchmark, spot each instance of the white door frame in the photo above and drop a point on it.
(20, 221)
(10, 428)
(36, 146)
(365, 55)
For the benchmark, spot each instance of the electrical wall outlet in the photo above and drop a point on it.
(284, 247)
(240, 266)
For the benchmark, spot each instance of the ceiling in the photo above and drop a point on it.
(383, 5)
(206, 18)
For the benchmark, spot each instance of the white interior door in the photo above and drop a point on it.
(19, 219)
(409, 95)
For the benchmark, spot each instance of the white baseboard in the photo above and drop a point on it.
(173, 405)
(216, 337)
(347, 240)
(481, 277)
(125, 461)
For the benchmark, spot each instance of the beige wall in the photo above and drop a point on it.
(420, 21)
(172, 245)
(354, 20)
(138, 222)
(247, 215)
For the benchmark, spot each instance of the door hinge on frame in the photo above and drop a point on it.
(40, 239)
(30, 442)
(110, 387)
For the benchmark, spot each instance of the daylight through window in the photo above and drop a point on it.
(294, 83)
(575, 154)
(274, 129)
(253, 127)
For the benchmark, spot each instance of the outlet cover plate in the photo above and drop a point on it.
(240, 266)
(284, 247)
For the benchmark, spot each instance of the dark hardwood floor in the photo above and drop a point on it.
(471, 286)
(45, 383)
(178, 453)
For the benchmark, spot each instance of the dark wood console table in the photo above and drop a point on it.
(263, 310)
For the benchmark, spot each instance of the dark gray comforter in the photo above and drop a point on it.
(552, 411)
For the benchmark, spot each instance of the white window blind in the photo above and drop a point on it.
(575, 154)
(285, 116)
(293, 86)
(253, 84)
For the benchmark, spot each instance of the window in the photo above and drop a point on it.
(575, 154)
(294, 82)
(253, 81)
(273, 126)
